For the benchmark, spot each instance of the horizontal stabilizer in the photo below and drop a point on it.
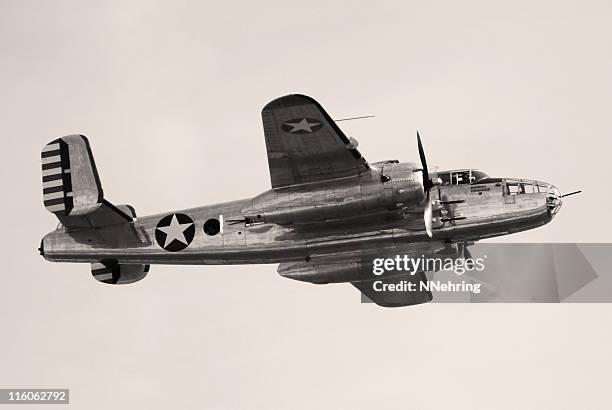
(106, 215)
(109, 271)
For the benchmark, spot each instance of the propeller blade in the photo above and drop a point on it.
(428, 216)
(466, 253)
(427, 184)
(426, 181)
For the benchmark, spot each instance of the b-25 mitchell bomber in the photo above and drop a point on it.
(327, 216)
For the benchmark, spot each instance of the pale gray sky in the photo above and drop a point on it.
(170, 94)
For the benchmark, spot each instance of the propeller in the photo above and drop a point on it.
(428, 183)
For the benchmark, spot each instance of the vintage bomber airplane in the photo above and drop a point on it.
(328, 215)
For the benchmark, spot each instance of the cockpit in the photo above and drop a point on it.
(512, 186)
(462, 176)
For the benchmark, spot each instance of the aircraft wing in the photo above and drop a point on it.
(357, 267)
(359, 274)
(305, 145)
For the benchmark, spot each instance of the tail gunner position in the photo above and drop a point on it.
(328, 214)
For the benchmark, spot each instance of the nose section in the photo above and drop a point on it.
(553, 197)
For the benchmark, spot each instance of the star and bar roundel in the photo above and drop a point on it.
(175, 232)
(302, 125)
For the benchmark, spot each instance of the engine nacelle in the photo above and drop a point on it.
(338, 199)
(114, 273)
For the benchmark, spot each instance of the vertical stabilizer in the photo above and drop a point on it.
(71, 185)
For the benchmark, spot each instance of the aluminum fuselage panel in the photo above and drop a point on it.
(347, 221)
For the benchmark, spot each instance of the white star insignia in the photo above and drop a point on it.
(302, 125)
(175, 231)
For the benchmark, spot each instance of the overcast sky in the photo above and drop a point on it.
(170, 93)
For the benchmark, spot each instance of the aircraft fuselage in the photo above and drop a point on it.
(380, 208)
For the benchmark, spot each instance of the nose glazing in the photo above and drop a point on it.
(553, 198)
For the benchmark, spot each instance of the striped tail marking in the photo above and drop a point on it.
(57, 182)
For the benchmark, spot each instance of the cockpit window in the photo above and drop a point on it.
(478, 175)
(445, 177)
(515, 189)
(529, 189)
(524, 186)
(462, 176)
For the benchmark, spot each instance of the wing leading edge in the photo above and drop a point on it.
(305, 145)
